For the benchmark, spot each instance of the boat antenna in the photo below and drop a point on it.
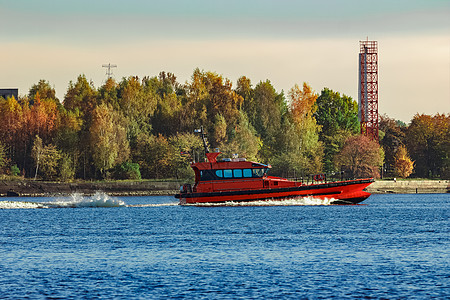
(205, 144)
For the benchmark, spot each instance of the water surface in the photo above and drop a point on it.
(391, 246)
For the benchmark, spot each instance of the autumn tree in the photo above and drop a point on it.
(46, 158)
(360, 157)
(3, 157)
(11, 125)
(166, 119)
(50, 159)
(186, 148)
(219, 130)
(44, 118)
(45, 91)
(108, 93)
(403, 163)
(298, 140)
(209, 96)
(137, 103)
(392, 137)
(81, 96)
(66, 167)
(108, 143)
(241, 139)
(154, 155)
(244, 89)
(428, 141)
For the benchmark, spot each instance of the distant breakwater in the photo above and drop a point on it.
(30, 188)
(409, 187)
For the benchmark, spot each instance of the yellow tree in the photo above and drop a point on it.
(403, 163)
(302, 148)
(108, 141)
(302, 101)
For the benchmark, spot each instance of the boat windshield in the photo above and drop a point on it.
(232, 173)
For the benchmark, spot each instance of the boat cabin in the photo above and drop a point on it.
(228, 174)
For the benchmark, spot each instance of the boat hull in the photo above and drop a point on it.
(342, 192)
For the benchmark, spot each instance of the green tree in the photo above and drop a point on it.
(338, 117)
(66, 167)
(270, 108)
(127, 170)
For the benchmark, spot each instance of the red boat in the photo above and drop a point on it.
(240, 180)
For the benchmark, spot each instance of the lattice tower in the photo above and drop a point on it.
(368, 88)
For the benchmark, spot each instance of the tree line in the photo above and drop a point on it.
(144, 128)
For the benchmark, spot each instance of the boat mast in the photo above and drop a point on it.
(205, 143)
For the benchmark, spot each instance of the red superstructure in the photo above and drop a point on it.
(240, 180)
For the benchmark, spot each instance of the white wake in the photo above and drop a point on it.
(305, 201)
(75, 200)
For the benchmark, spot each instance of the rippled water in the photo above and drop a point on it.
(392, 246)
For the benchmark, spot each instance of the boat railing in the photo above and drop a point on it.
(322, 178)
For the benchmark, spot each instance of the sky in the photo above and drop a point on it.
(285, 41)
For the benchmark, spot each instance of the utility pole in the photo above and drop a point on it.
(109, 72)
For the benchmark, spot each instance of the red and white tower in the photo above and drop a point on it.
(368, 88)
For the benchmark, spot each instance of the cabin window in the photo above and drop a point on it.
(206, 175)
(227, 173)
(258, 172)
(237, 173)
(247, 173)
(219, 173)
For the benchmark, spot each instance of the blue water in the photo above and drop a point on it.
(100, 247)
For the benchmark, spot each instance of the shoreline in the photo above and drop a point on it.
(409, 187)
(30, 188)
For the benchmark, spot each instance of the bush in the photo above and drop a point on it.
(127, 170)
(15, 170)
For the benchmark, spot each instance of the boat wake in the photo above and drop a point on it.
(75, 200)
(305, 201)
(154, 205)
(100, 199)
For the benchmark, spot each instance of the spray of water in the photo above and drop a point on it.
(99, 199)
(305, 201)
